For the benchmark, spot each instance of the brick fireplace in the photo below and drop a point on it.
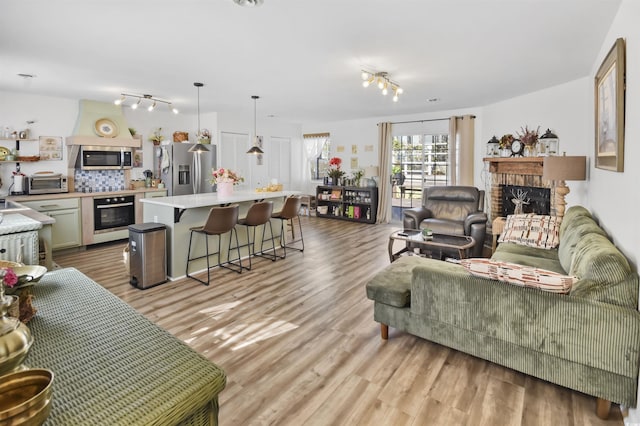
(518, 172)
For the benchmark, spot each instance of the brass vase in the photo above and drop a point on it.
(15, 338)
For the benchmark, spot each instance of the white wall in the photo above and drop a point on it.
(612, 194)
(365, 132)
(57, 117)
(564, 109)
(274, 132)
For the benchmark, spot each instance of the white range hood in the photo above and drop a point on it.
(101, 124)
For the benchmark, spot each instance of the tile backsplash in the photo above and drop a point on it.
(98, 180)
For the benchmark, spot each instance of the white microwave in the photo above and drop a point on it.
(105, 157)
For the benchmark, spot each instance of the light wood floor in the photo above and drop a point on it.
(299, 345)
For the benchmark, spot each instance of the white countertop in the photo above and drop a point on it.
(212, 199)
(12, 223)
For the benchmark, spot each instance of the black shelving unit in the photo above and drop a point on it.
(351, 203)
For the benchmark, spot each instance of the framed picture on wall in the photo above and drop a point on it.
(609, 109)
(50, 147)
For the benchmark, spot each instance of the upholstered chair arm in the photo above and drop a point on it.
(474, 218)
(475, 225)
(412, 218)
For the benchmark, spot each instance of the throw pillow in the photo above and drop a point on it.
(531, 230)
(520, 275)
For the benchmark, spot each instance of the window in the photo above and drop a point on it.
(418, 161)
(318, 148)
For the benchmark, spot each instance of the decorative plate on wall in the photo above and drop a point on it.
(106, 128)
(3, 153)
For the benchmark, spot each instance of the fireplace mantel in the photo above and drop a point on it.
(529, 166)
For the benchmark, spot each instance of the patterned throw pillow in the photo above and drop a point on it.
(520, 275)
(531, 230)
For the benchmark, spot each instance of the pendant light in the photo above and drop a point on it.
(198, 147)
(255, 149)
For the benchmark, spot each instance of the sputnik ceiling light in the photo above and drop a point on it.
(255, 149)
(384, 83)
(198, 148)
(152, 101)
(249, 3)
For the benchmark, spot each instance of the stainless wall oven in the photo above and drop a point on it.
(113, 213)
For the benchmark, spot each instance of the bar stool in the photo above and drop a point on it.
(220, 221)
(290, 210)
(259, 214)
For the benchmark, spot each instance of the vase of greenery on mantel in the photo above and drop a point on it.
(530, 140)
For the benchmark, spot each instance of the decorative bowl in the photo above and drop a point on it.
(25, 397)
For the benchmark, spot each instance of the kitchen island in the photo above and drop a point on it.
(179, 213)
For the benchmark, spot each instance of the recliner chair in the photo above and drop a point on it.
(457, 210)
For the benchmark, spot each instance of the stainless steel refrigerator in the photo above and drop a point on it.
(184, 172)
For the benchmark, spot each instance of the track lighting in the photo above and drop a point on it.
(140, 98)
(382, 81)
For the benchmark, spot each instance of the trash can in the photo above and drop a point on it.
(147, 254)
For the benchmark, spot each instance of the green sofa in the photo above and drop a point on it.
(588, 340)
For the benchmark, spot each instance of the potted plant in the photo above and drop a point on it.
(334, 171)
(505, 144)
(427, 234)
(204, 136)
(156, 137)
(357, 175)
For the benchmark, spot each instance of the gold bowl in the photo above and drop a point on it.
(25, 397)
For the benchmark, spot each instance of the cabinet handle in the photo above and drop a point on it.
(48, 206)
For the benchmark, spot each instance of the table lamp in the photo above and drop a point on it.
(560, 169)
(372, 173)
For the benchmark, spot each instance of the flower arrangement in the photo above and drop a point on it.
(156, 137)
(204, 136)
(9, 279)
(223, 175)
(528, 137)
(334, 171)
(506, 141)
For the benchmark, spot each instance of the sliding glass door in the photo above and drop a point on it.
(417, 161)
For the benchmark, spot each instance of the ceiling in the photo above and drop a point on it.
(302, 57)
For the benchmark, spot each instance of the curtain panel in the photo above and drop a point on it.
(461, 146)
(384, 195)
(313, 144)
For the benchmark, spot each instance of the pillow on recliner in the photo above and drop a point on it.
(531, 230)
(520, 275)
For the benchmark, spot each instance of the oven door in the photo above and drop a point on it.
(113, 213)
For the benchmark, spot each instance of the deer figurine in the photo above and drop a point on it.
(518, 201)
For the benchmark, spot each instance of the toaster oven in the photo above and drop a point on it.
(47, 183)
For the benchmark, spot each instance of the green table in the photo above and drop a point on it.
(113, 366)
